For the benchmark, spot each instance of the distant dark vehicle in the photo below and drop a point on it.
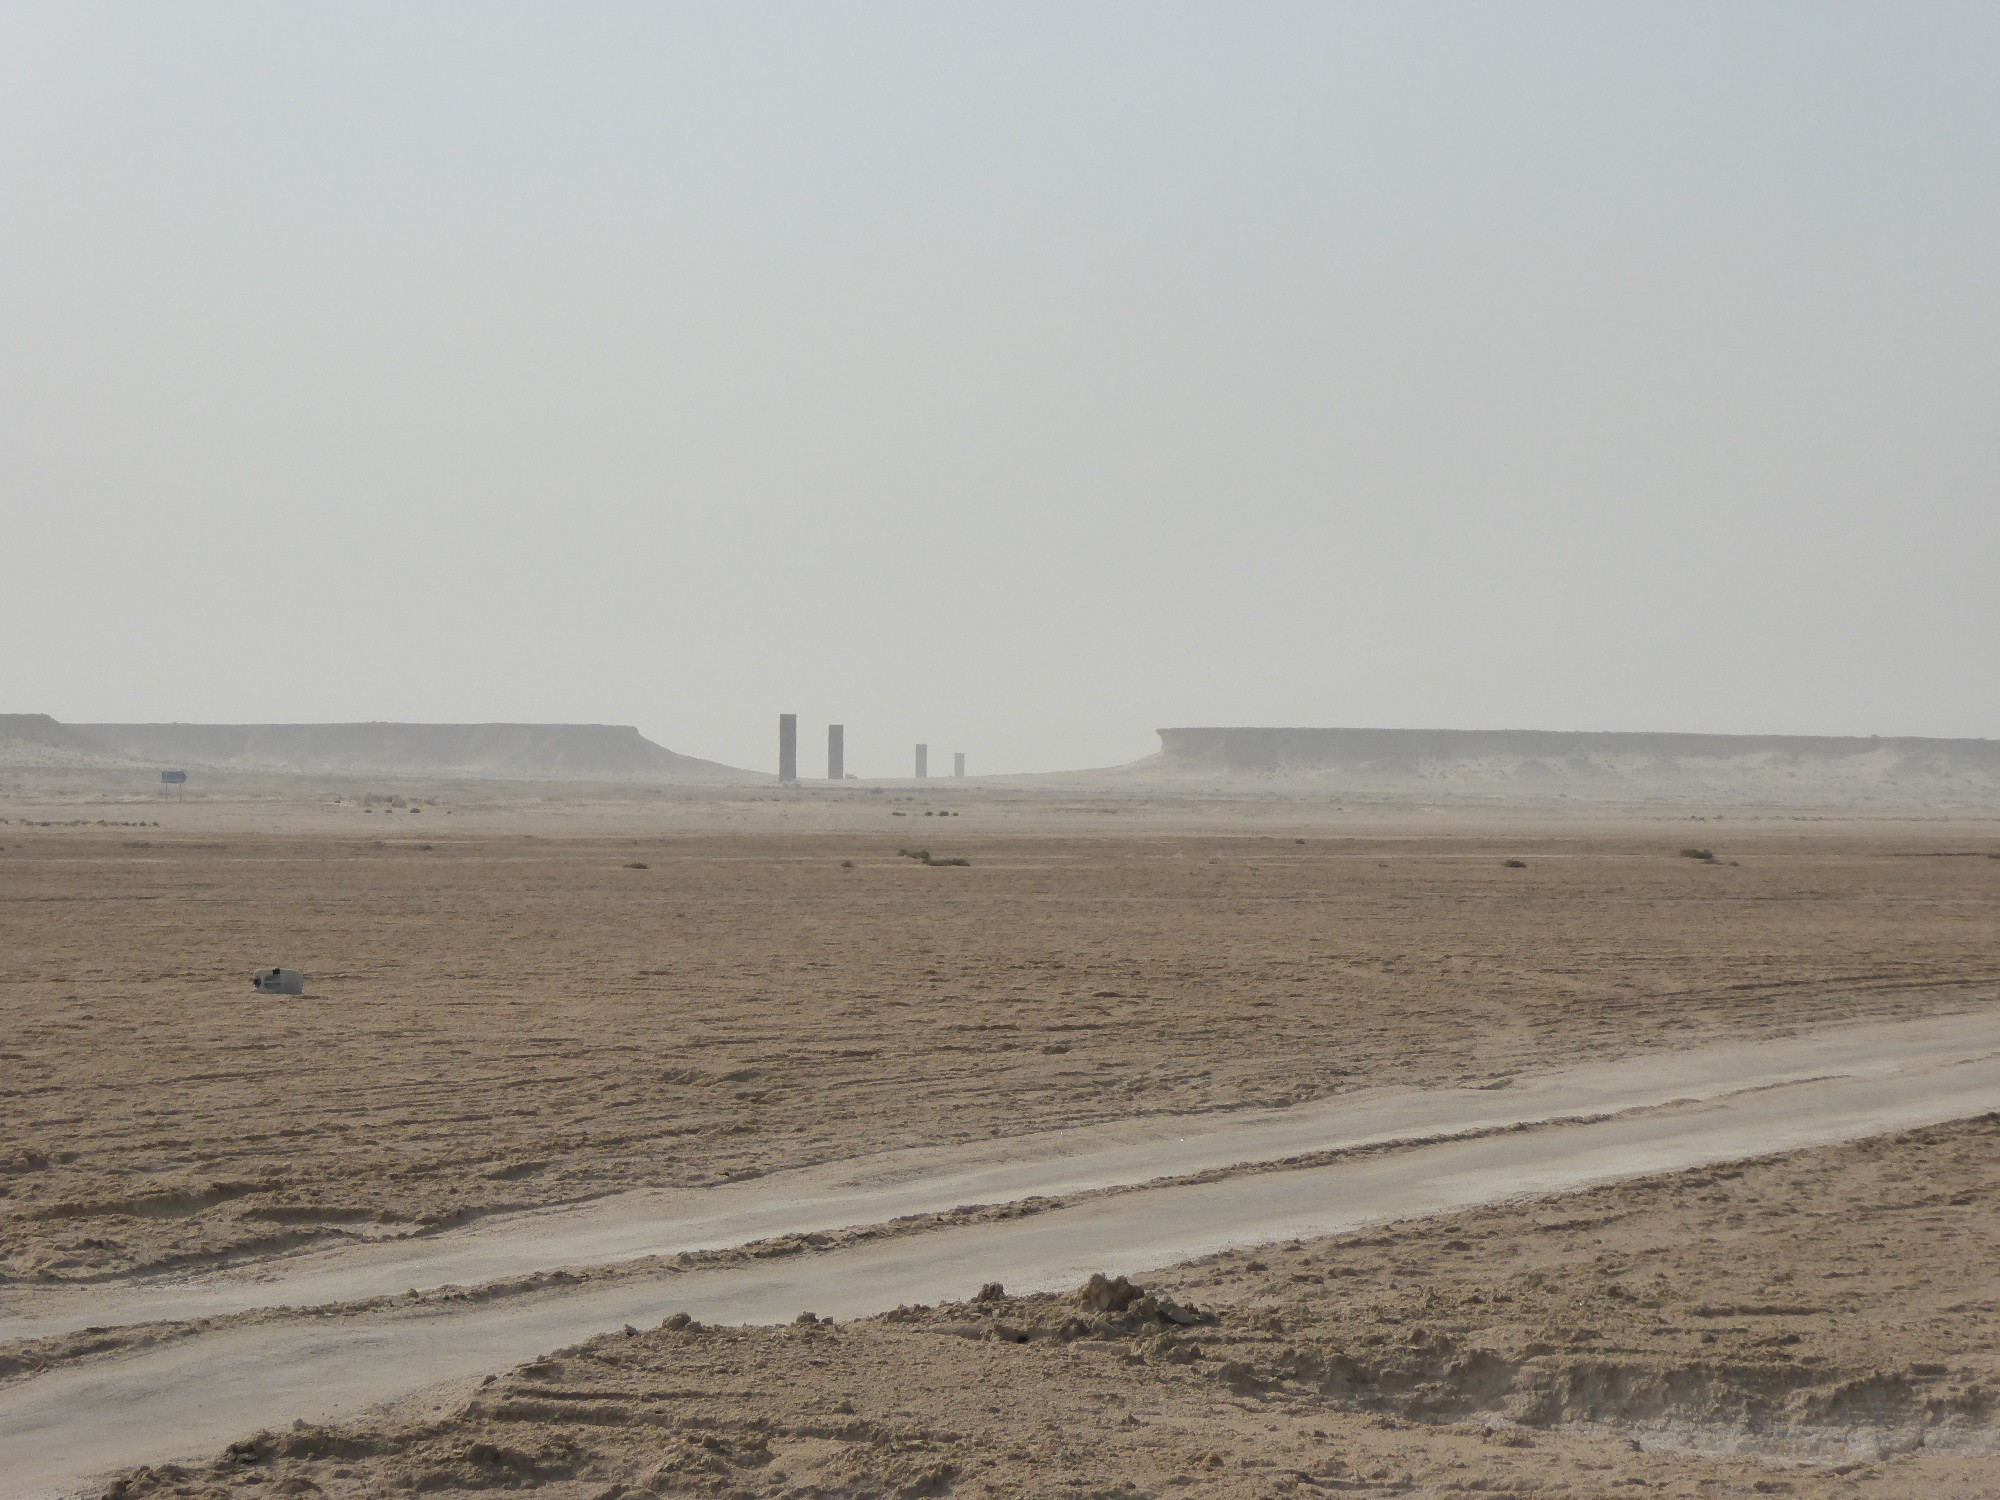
(173, 778)
(278, 982)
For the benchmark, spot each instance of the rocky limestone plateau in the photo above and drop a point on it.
(38, 742)
(1496, 767)
(542, 752)
(1513, 765)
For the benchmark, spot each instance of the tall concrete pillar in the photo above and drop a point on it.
(923, 761)
(788, 748)
(836, 752)
(958, 762)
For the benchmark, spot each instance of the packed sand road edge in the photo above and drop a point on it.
(187, 1399)
(909, 1184)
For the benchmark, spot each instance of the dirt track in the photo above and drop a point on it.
(517, 1005)
(511, 1016)
(1819, 1325)
(1822, 1085)
(196, 1393)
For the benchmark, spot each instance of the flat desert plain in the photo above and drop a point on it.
(514, 1003)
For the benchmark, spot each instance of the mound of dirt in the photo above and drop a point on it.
(526, 752)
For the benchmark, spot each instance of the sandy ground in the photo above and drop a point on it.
(504, 1011)
(517, 1002)
(1818, 1324)
(1127, 1195)
(99, 1398)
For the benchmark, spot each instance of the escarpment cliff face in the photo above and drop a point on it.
(1556, 765)
(40, 729)
(536, 752)
(38, 742)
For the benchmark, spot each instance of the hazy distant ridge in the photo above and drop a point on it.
(40, 729)
(1601, 766)
(556, 752)
(36, 741)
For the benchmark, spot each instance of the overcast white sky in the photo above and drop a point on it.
(1018, 377)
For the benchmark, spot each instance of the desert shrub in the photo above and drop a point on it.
(1706, 855)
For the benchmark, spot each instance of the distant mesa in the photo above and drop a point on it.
(526, 752)
(1541, 765)
(36, 741)
(40, 729)
(1498, 767)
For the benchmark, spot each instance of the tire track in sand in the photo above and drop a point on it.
(191, 1397)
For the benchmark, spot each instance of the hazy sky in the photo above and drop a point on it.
(1018, 377)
